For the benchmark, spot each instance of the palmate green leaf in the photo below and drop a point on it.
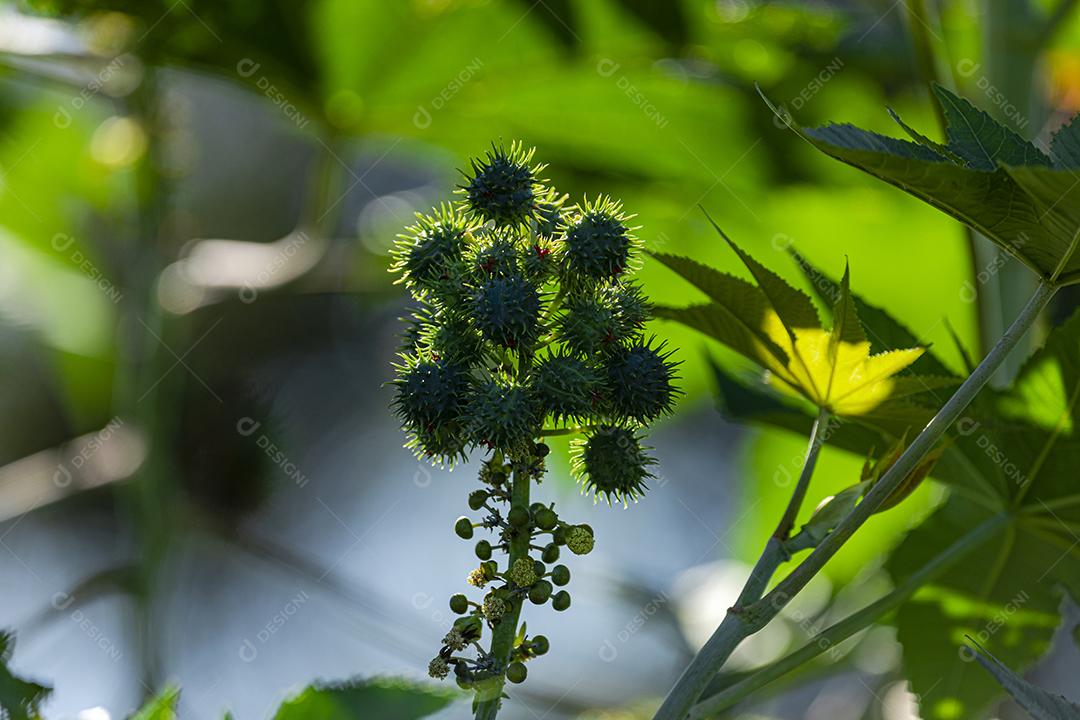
(1007, 593)
(386, 699)
(882, 330)
(989, 178)
(19, 699)
(1040, 704)
(777, 327)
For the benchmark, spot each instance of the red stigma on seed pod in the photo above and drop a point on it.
(541, 252)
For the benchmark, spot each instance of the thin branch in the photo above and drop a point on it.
(844, 629)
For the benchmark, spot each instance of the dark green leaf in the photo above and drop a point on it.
(1040, 704)
(385, 699)
(981, 141)
(1004, 188)
(19, 699)
(883, 331)
(1008, 592)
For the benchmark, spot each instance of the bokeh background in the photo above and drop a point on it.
(200, 481)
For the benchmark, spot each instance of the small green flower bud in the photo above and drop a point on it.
(539, 568)
(540, 592)
(546, 519)
(477, 498)
(478, 578)
(560, 575)
(517, 672)
(522, 573)
(559, 536)
(463, 527)
(541, 450)
(455, 640)
(579, 540)
(438, 668)
(490, 568)
(540, 645)
(459, 603)
(494, 607)
(560, 600)
(551, 553)
(492, 473)
(518, 517)
(536, 507)
(483, 550)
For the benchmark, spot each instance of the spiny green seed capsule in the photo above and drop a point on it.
(641, 383)
(494, 607)
(506, 310)
(589, 326)
(550, 215)
(459, 603)
(566, 386)
(496, 256)
(630, 306)
(503, 415)
(522, 573)
(463, 527)
(447, 334)
(610, 462)
(546, 518)
(579, 540)
(517, 672)
(430, 252)
(483, 550)
(438, 668)
(504, 187)
(598, 243)
(430, 392)
(560, 600)
(560, 575)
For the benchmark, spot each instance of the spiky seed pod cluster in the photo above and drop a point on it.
(526, 317)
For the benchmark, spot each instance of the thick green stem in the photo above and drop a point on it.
(739, 625)
(776, 551)
(837, 633)
(502, 638)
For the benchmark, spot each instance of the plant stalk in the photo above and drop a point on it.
(739, 625)
(842, 630)
(502, 638)
(776, 551)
